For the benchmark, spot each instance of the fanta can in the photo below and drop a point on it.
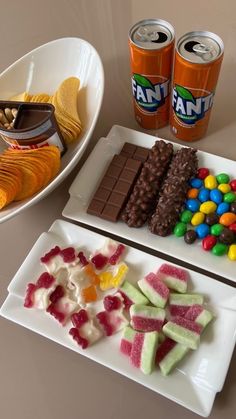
(198, 59)
(151, 43)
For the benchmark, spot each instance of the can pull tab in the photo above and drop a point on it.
(202, 49)
(151, 36)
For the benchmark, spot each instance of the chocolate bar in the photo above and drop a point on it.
(135, 152)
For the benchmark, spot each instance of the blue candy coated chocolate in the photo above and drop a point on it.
(222, 208)
(192, 205)
(216, 196)
(202, 230)
(204, 195)
(196, 183)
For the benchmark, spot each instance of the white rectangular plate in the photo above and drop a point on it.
(89, 177)
(199, 376)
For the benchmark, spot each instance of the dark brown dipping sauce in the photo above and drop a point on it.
(27, 118)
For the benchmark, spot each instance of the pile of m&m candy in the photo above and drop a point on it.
(210, 213)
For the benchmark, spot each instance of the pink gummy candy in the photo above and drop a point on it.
(135, 356)
(99, 261)
(103, 319)
(164, 348)
(125, 347)
(188, 324)
(52, 253)
(80, 318)
(68, 254)
(29, 301)
(78, 338)
(126, 300)
(51, 309)
(117, 254)
(58, 293)
(146, 324)
(177, 310)
(82, 258)
(45, 280)
(193, 312)
(111, 302)
(174, 271)
(158, 285)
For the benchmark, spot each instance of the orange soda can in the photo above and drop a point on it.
(151, 44)
(198, 59)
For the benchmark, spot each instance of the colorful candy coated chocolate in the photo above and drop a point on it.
(204, 195)
(226, 236)
(196, 183)
(197, 218)
(233, 185)
(224, 187)
(222, 178)
(202, 173)
(186, 216)
(227, 218)
(230, 197)
(192, 193)
(180, 229)
(219, 249)
(208, 207)
(192, 205)
(216, 229)
(211, 219)
(233, 207)
(216, 196)
(190, 236)
(232, 252)
(208, 242)
(222, 208)
(210, 182)
(232, 227)
(202, 230)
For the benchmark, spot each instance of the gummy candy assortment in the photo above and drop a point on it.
(210, 210)
(161, 322)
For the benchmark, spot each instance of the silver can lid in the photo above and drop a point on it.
(200, 47)
(151, 34)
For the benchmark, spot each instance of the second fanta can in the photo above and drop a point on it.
(151, 43)
(197, 65)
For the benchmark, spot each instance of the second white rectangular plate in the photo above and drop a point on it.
(89, 177)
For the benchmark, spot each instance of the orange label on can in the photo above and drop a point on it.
(150, 92)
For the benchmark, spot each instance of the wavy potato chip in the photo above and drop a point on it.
(21, 97)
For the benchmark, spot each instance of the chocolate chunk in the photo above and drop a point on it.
(190, 236)
(173, 192)
(227, 236)
(143, 198)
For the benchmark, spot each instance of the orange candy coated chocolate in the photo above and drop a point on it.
(192, 193)
(227, 219)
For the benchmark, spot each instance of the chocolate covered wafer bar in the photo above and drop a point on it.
(173, 192)
(115, 187)
(144, 196)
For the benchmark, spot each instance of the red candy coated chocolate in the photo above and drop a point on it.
(209, 242)
(233, 185)
(202, 173)
(232, 227)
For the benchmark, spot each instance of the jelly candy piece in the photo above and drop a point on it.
(154, 289)
(174, 277)
(105, 280)
(78, 338)
(146, 318)
(52, 253)
(68, 255)
(183, 331)
(192, 193)
(120, 275)
(82, 258)
(233, 185)
(116, 256)
(230, 197)
(199, 314)
(219, 249)
(210, 182)
(190, 236)
(143, 351)
(208, 242)
(208, 207)
(202, 173)
(232, 252)
(127, 340)
(112, 302)
(186, 216)
(99, 261)
(227, 218)
(89, 294)
(197, 218)
(222, 178)
(51, 309)
(104, 321)
(94, 278)
(29, 297)
(180, 303)
(202, 230)
(196, 183)
(224, 187)
(180, 229)
(80, 318)
(58, 293)
(45, 280)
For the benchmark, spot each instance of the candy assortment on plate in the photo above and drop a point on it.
(160, 320)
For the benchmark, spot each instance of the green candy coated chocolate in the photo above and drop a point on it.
(180, 229)
(229, 197)
(217, 229)
(186, 216)
(220, 249)
(222, 178)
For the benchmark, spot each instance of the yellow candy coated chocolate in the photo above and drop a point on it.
(208, 207)
(197, 218)
(210, 182)
(232, 252)
(224, 187)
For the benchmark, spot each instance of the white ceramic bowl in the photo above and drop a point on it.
(42, 70)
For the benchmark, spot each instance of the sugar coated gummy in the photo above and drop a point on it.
(180, 303)
(210, 182)
(131, 295)
(146, 318)
(143, 351)
(202, 230)
(183, 331)
(169, 354)
(175, 278)
(154, 289)
(199, 315)
(127, 340)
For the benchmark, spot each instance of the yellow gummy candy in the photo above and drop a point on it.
(105, 280)
(118, 278)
